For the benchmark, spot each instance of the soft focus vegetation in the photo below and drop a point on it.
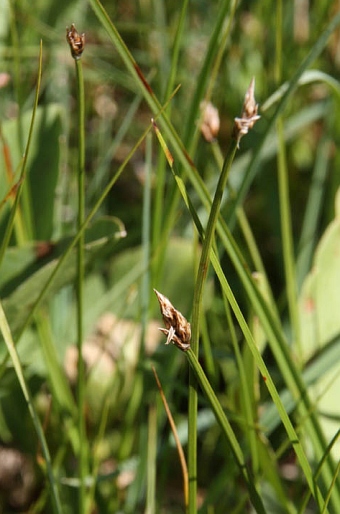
(95, 438)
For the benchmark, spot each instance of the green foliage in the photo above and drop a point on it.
(319, 305)
(263, 299)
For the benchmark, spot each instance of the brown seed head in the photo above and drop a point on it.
(249, 114)
(210, 121)
(177, 329)
(76, 41)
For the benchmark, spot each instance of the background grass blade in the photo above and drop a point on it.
(5, 330)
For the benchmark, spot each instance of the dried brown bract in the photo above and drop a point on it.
(210, 121)
(76, 41)
(177, 327)
(249, 114)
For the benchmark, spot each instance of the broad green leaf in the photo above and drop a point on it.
(43, 168)
(320, 320)
(43, 164)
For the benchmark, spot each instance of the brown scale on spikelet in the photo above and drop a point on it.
(249, 114)
(76, 41)
(177, 328)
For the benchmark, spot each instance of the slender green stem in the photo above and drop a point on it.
(207, 243)
(247, 234)
(197, 304)
(80, 282)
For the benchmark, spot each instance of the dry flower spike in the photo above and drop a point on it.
(210, 121)
(76, 41)
(177, 328)
(249, 114)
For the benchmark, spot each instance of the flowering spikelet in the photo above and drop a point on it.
(249, 114)
(76, 41)
(210, 121)
(177, 328)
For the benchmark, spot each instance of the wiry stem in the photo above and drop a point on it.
(77, 43)
(241, 126)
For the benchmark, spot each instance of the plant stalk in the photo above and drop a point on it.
(80, 284)
(197, 307)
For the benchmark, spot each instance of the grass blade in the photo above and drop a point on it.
(5, 330)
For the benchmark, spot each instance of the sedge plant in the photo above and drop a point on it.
(244, 344)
